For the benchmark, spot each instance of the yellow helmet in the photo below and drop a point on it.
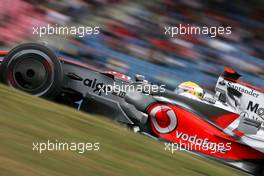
(191, 88)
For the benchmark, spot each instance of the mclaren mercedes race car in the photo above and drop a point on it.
(227, 126)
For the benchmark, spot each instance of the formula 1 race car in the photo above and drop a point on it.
(227, 126)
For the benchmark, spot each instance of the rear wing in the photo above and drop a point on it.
(244, 98)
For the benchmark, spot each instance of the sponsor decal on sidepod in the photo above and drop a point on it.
(171, 123)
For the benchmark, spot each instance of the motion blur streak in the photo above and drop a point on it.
(132, 38)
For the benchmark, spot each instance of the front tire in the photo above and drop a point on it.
(33, 68)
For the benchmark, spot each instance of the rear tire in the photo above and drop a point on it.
(33, 68)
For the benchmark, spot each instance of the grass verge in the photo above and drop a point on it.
(25, 119)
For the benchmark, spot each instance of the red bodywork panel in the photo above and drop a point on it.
(192, 131)
(3, 53)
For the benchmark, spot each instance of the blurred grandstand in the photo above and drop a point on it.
(132, 39)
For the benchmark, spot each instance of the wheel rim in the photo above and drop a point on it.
(31, 71)
(30, 74)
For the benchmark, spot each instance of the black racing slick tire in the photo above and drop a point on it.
(33, 68)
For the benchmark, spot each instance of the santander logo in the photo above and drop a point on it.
(164, 118)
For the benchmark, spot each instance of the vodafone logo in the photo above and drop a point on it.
(164, 119)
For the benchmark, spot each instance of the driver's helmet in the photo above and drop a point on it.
(190, 88)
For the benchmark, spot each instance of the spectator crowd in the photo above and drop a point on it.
(132, 37)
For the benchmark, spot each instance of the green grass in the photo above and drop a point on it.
(25, 119)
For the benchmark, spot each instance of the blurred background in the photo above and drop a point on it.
(132, 40)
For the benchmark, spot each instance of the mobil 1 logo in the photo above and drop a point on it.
(256, 109)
